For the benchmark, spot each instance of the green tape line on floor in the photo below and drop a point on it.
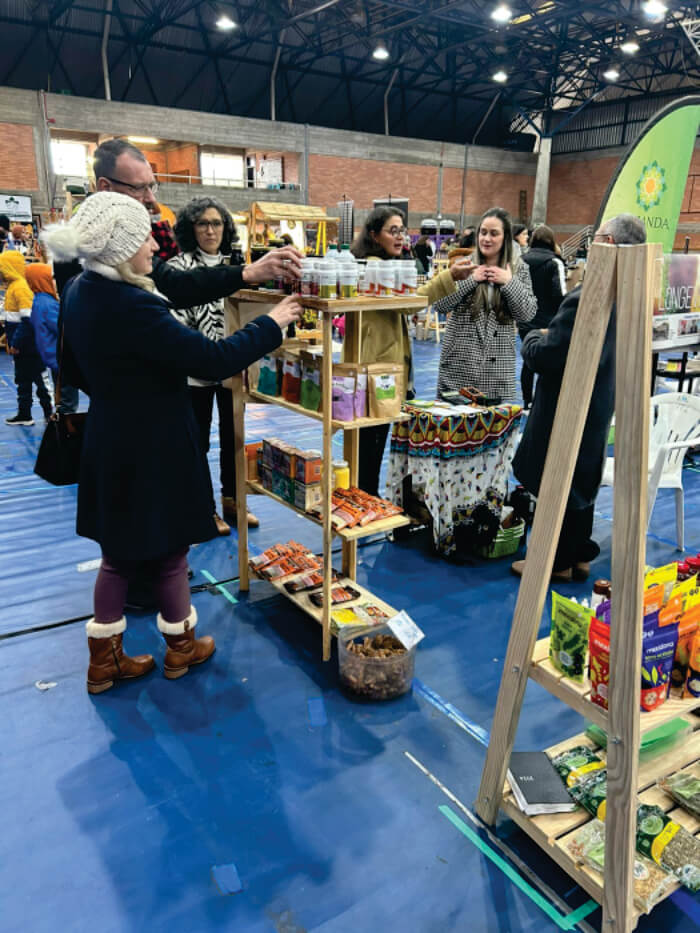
(564, 923)
(219, 587)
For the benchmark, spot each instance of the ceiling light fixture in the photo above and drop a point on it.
(654, 8)
(629, 48)
(225, 23)
(502, 14)
(500, 76)
(144, 140)
(381, 53)
(612, 74)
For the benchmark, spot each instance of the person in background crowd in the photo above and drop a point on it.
(119, 166)
(4, 230)
(545, 352)
(205, 232)
(29, 370)
(144, 493)
(16, 239)
(521, 236)
(549, 285)
(486, 294)
(384, 337)
(424, 254)
(44, 321)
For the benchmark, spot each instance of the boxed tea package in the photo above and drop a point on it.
(385, 389)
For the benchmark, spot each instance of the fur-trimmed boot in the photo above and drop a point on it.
(108, 662)
(183, 648)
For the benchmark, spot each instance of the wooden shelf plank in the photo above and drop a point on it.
(577, 695)
(358, 423)
(350, 534)
(302, 601)
(341, 305)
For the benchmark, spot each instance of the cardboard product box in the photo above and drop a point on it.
(251, 461)
(307, 496)
(270, 445)
(285, 458)
(308, 467)
(266, 477)
(283, 486)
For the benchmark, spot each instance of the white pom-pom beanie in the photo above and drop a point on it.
(107, 229)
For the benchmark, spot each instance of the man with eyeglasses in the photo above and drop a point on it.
(545, 352)
(119, 166)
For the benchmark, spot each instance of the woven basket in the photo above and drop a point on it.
(507, 542)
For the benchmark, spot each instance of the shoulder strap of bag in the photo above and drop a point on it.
(59, 378)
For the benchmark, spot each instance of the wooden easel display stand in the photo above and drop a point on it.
(246, 305)
(624, 275)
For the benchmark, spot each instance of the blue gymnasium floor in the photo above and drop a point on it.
(253, 796)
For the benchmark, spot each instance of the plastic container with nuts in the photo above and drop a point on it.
(376, 666)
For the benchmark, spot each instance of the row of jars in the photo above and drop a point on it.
(323, 279)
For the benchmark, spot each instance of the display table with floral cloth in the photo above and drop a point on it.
(458, 461)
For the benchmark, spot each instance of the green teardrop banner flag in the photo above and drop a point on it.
(651, 179)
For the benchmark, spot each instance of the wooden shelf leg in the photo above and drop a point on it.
(241, 489)
(585, 349)
(351, 439)
(635, 268)
(327, 477)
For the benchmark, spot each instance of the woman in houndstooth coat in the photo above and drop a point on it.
(486, 294)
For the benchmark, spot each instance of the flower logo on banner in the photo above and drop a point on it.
(651, 186)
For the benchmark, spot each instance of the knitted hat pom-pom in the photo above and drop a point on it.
(63, 240)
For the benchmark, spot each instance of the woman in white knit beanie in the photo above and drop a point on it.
(145, 491)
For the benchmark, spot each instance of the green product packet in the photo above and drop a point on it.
(568, 641)
(684, 788)
(576, 764)
(267, 378)
(592, 792)
(669, 845)
(385, 387)
(653, 742)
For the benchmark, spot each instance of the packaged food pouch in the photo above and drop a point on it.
(267, 377)
(684, 788)
(568, 642)
(651, 882)
(599, 664)
(385, 389)
(291, 379)
(310, 394)
(591, 792)
(671, 612)
(685, 588)
(691, 687)
(687, 629)
(576, 764)
(361, 393)
(658, 652)
(343, 391)
(669, 845)
(666, 576)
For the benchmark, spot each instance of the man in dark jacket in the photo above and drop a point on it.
(545, 352)
(123, 168)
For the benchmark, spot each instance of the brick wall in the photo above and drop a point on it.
(184, 159)
(576, 189)
(362, 180)
(17, 160)
(485, 190)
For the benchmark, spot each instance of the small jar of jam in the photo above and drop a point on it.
(684, 571)
(602, 590)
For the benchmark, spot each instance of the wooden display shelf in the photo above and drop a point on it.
(341, 305)
(577, 696)
(304, 603)
(349, 534)
(552, 831)
(318, 415)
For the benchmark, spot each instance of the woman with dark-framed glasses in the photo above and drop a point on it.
(384, 337)
(205, 233)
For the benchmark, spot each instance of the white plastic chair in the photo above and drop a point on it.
(675, 426)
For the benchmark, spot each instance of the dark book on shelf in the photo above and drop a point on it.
(536, 785)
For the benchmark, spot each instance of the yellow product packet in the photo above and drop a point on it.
(684, 589)
(667, 575)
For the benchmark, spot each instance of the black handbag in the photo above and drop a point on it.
(58, 460)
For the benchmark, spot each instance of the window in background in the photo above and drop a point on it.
(69, 158)
(219, 169)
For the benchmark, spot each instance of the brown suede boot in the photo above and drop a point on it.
(108, 662)
(183, 648)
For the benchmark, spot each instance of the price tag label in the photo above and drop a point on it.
(405, 629)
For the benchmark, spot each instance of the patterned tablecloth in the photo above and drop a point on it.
(459, 466)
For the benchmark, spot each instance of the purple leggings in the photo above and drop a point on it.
(170, 583)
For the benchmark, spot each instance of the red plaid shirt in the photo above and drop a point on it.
(165, 238)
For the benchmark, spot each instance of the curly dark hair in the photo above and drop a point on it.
(190, 214)
(364, 243)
